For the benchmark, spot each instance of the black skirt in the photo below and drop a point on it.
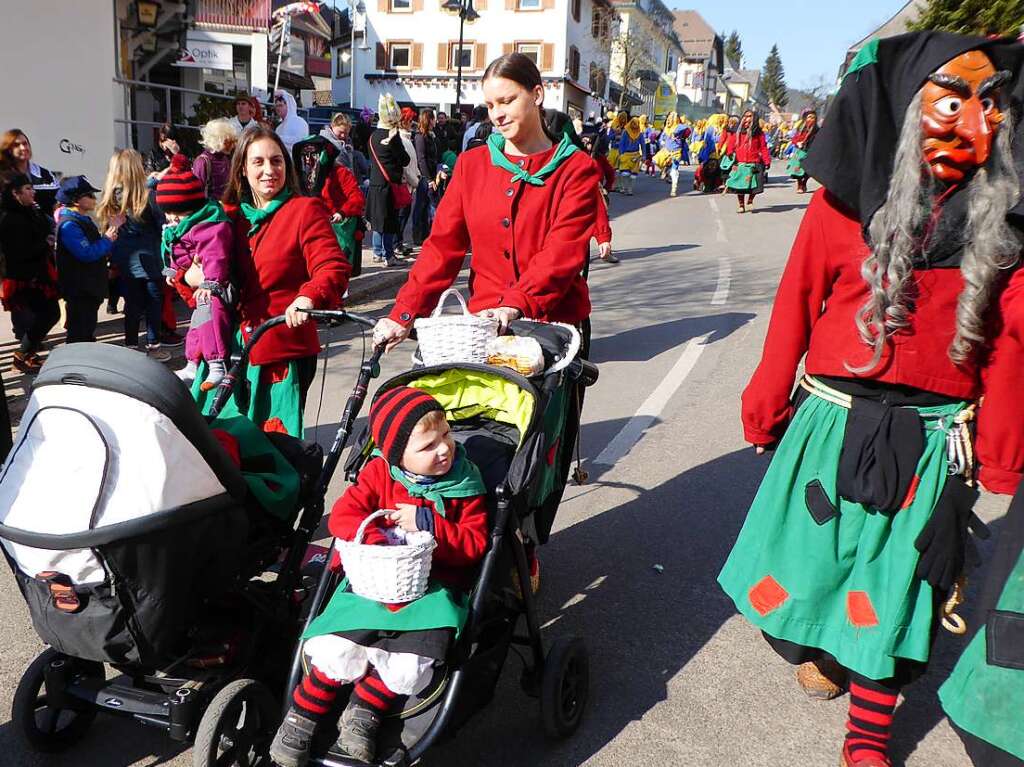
(429, 643)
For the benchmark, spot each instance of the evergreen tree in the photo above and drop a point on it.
(773, 79)
(972, 17)
(734, 50)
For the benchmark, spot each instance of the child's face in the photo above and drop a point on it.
(173, 218)
(431, 449)
(85, 203)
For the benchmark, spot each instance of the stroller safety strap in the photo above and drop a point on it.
(62, 591)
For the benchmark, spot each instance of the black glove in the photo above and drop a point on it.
(945, 542)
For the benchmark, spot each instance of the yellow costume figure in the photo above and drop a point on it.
(630, 150)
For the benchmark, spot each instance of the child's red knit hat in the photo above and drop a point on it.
(179, 191)
(393, 416)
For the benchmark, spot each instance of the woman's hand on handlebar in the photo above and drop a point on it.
(293, 314)
(389, 333)
(503, 314)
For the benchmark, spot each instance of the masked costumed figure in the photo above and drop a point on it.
(631, 147)
(801, 144)
(615, 131)
(746, 158)
(901, 268)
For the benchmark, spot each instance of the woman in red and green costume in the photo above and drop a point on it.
(287, 259)
(899, 271)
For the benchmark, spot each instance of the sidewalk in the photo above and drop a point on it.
(375, 282)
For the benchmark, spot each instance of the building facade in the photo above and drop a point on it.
(410, 48)
(701, 65)
(645, 57)
(740, 89)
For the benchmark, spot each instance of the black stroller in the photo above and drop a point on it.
(512, 428)
(148, 555)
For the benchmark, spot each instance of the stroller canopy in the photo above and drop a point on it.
(111, 446)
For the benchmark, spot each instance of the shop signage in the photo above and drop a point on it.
(204, 54)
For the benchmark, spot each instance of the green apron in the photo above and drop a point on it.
(272, 406)
(440, 607)
(345, 232)
(987, 700)
(846, 585)
(744, 177)
(795, 166)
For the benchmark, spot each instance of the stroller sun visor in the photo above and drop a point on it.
(101, 457)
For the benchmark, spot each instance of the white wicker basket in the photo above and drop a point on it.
(392, 574)
(444, 339)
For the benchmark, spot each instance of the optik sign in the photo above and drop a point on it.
(206, 55)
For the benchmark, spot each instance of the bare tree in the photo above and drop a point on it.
(631, 50)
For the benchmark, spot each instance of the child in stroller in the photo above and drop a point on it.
(389, 652)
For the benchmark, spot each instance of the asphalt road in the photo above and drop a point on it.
(677, 676)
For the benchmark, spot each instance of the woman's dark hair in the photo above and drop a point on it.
(755, 123)
(168, 131)
(520, 69)
(238, 190)
(7, 148)
(426, 117)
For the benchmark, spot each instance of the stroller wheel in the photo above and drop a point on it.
(564, 687)
(46, 725)
(237, 727)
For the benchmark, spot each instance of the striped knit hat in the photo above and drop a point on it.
(179, 191)
(393, 416)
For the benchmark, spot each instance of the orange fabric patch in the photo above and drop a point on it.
(767, 595)
(274, 425)
(860, 610)
(911, 492)
(274, 373)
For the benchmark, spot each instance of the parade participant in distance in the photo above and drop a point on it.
(631, 148)
(525, 207)
(291, 128)
(861, 523)
(748, 151)
(801, 144)
(16, 157)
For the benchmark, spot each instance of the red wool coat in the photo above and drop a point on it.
(813, 314)
(294, 254)
(602, 225)
(529, 243)
(341, 193)
(461, 534)
(747, 149)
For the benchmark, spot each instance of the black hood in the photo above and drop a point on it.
(854, 152)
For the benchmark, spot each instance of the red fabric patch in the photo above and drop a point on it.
(911, 492)
(230, 445)
(860, 610)
(274, 424)
(274, 372)
(767, 595)
(553, 451)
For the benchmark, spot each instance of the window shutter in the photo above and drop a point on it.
(547, 58)
(417, 5)
(382, 56)
(511, 5)
(384, 6)
(507, 48)
(480, 5)
(417, 55)
(444, 60)
(480, 56)
(549, 4)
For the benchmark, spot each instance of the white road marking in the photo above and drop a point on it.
(724, 281)
(719, 224)
(649, 411)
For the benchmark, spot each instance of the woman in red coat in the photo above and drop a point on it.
(748, 149)
(287, 260)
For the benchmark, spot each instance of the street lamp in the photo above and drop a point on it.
(466, 13)
(147, 11)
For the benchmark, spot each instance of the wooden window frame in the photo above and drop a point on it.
(391, 45)
(538, 44)
(574, 71)
(467, 45)
(393, 9)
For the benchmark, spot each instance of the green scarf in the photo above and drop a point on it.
(211, 213)
(257, 217)
(463, 480)
(496, 143)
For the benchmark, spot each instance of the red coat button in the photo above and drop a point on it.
(506, 223)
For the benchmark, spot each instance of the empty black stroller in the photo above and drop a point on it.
(137, 542)
(511, 427)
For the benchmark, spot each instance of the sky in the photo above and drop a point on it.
(812, 35)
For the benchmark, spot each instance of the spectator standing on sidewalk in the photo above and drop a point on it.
(82, 254)
(168, 144)
(136, 253)
(16, 157)
(388, 159)
(213, 166)
(425, 142)
(479, 116)
(410, 177)
(339, 134)
(29, 290)
(247, 114)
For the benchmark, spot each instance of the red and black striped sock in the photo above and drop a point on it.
(373, 693)
(871, 711)
(316, 694)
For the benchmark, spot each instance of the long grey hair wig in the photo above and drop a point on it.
(894, 237)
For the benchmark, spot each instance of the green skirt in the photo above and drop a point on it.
(795, 166)
(846, 585)
(746, 177)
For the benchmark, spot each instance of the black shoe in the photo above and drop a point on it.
(172, 339)
(293, 739)
(357, 733)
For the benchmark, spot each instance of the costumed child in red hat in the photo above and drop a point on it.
(390, 651)
(197, 247)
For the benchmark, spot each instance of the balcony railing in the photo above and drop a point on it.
(247, 14)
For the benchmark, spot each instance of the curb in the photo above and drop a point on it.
(363, 289)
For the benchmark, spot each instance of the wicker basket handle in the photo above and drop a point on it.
(444, 297)
(362, 527)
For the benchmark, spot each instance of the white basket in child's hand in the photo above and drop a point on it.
(392, 574)
(454, 337)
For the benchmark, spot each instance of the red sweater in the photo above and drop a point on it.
(294, 254)
(341, 193)
(820, 293)
(747, 149)
(461, 534)
(529, 243)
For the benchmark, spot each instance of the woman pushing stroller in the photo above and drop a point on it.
(390, 651)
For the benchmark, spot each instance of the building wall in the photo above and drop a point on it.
(63, 96)
(634, 20)
(593, 50)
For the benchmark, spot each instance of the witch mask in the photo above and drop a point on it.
(961, 110)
